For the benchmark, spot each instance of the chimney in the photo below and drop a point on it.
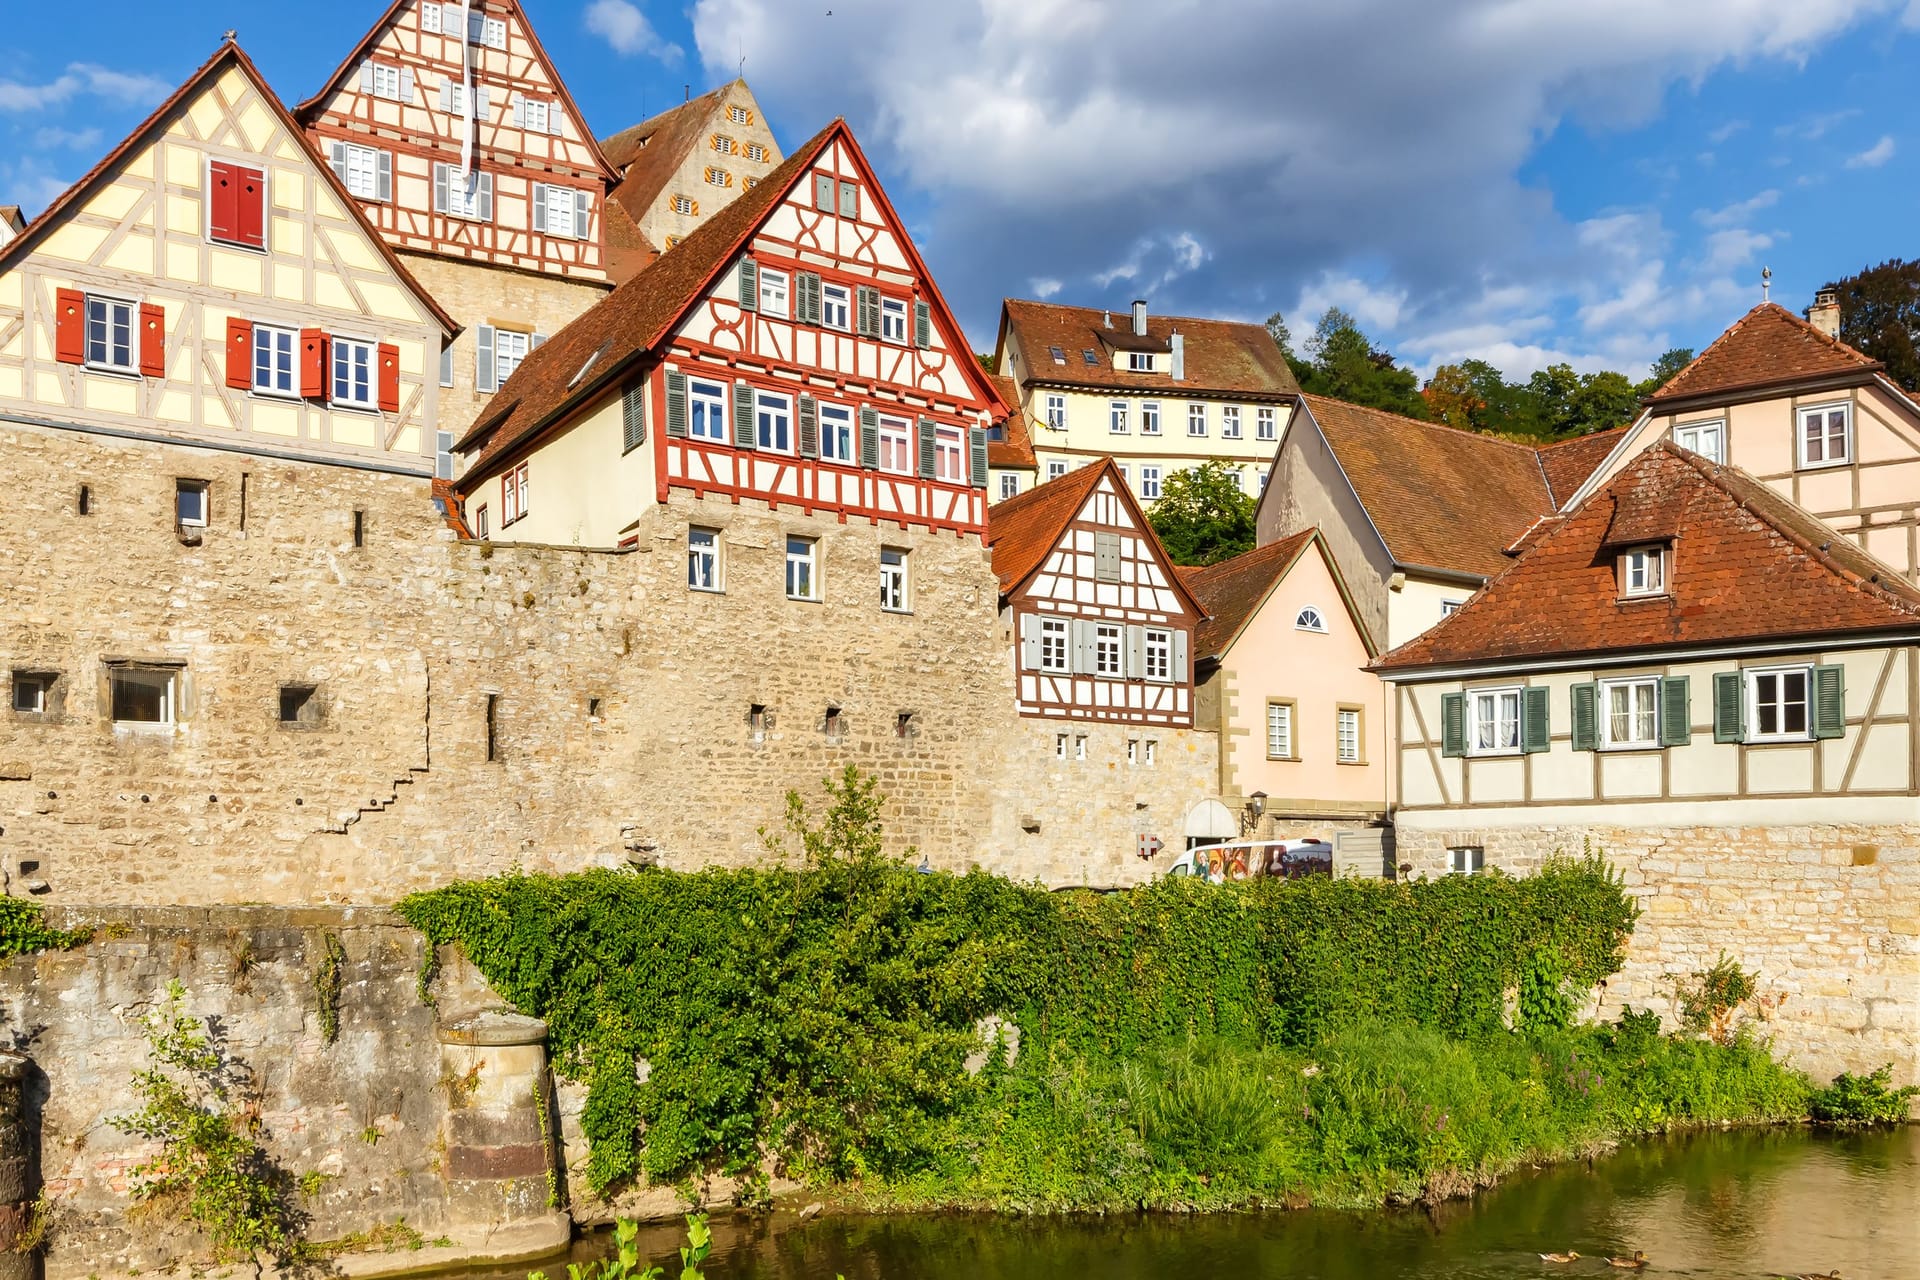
(1179, 351)
(1109, 319)
(1140, 318)
(1824, 314)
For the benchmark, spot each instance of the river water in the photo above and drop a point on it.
(1738, 1204)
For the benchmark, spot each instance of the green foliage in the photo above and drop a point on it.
(1203, 516)
(1545, 1003)
(426, 975)
(23, 931)
(327, 978)
(210, 1163)
(1880, 316)
(1664, 370)
(1554, 403)
(1710, 998)
(1857, 1102)
(1344, 364)
(624, 1262)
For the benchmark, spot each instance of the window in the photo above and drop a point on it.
(1150, 483)
(1060, 746)
(491, 32)
(1466, 861)
(1263, 424)
(273, 373)
(893, 580)
(1494, 716)
(1279, 731)
(757, 721)
(837, 437)
(1708, 439)
(723, 144)
(893, 321)
(299, 705)
(896, 441)
(1106, 557)
(513, 495)
(141, 695)
(1826, 436)
(1090, 358)
(1140, 362)
(1777, 706)
(1347, 735)
(717, 177)
(1117, 417)
(537, 113)
(1630, 713)
(1311, 619)
(1448, 607)
(1053, 645)
(564, 218)
(1150, 752)
(1059, 356)
(1196, 419)
(739, 115)
(453, 97)
(1009, 485)
(706, 410)
(1261, 476)
(773, 294)
(803, 579)
(774, 421)
(110, 334)
(1133, 752)
(359, 169)
(1079, 746)
(949, 456)
(703, 559)
(1057, 412)
(461, 194)
(430, 17)
(1150, 418)
(33, 692)
(1108, 658)
(835, 304)
(236, 204)
(482, 523)
(756, 153)
(190, 503)
(1230, 422)
(1643, 572)
(684, 206)
(385, 80)
(509, 350)
(1055, 469)
(1159, 655)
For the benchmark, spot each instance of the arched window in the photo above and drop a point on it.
(1310, 619)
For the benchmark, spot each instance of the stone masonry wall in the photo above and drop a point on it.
(1828, 916)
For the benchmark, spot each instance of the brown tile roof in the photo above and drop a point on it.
(1569, 463)
(628, 251)
(1221, 355)
(10, 214)
(448, 503)
(647, 156)
(1232, 591)
(1768, 347)
(1441, 498)
(1747, 565)
(1015, 450)
(228, 54)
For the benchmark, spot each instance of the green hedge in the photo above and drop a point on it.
(23, 930)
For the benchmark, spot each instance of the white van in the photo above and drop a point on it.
(1254, 859)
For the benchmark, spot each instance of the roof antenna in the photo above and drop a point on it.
(231, 36)
(686, 93)
(1766, 284)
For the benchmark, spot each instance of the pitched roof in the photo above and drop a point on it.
(1768, 347)
(1746, 565)
(228, 54)
(1023, 531)
(447, 502)
(1441, 498)
(10, 214)
(1232, 591)
(1014, 451)
(1220, 355)
(647, 156)
(1569, 463)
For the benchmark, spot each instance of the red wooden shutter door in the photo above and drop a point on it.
(313, 364)
(70, 326)
(239, 354)
(223, 200)
(153, 340)
(389, 378)
(250, 208)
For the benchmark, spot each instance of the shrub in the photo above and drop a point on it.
(1857, 1102)
(1710, 998)
(23, 930)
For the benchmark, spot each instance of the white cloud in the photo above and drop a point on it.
(1044, 287)
(79, 139)
(1373, 307)
(1734, 214)
(1734, 247)
(1874, 156)
(1815, 127)
(83, 79)
(1731, 127)
(621, 24)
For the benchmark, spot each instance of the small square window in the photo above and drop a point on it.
(906, 724)
(355, 385)
(190, 503)
(893, 580)
(1826, 436)
(1009, 485)
(1079, 746)
(110, 334)
(803, 569)
(1779, 705)
(1466, 861)
(835, 723)
(1149, 753)
(1061, 746)
(1643, 572)
(836, 303)
(299, 705)
(141, 695)
(33, 692)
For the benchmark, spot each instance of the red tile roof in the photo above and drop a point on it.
(647, 156)
(1014, 451)
(1746, 566)
(228, 54)
(1232, 591)
(1569, 463)
(449, 504)
(1222, 356)
(1766, 348)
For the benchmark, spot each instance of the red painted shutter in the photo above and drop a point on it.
(153, 340)
(223, 189)
(250, 213)
(313, 364)
(70, 326)
(389, 378)
(239, 354)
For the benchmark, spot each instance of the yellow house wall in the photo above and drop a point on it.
(582, 490)
(1418, 606)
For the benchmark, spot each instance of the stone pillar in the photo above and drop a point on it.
(499, 1130)
(16, 1162)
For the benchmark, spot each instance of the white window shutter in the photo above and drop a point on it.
(540, 207)
(519, 111)
(1136, 653)
(486, 197)
(1029, 643)
(1179, 657)
(480, 103)
(337, 158)
(484, 372)
(440, 196)
(406, 85)
(446, 94)
(580, 203)
(366, 77)
(556, 119)
(383, 189)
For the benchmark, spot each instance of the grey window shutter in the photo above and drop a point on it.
(1729, 706)
(867, 324)
(1453, 724)
(633, 415)
(446, 94)
(677, 405)
(443, 455)
(1029, 642)
(556, 120)
(927, 461)
(540, 206)
(446, 365)
(1535, 721)
(808, 412)
(485, 374)
(480, 103)
(337, 158)
(440, 180)
(366, 77)
(1676, 712)
(406, 85)
(870, 438)
(1829, 702)
(749, 285)
(823, 192)
(1584, 717)
(743, 424)
(535, 342)
(383, 176)
(1082, 647)
(582, 206)
(1136, 653)
(807, 285)
(1179, 673)
(922, 325)
(486, 197)
(519, 106)
(977, 448)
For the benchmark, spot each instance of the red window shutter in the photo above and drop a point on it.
(153, 340)
(313, 364)
(239, 354)
(250, 208)
(223, 200)
(70, 326)
(389, 378)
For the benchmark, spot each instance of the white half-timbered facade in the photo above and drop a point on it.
(1103, 626)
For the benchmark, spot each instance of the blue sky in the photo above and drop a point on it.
(1520, 180)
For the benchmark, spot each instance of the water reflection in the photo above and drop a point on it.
(1714, 1205)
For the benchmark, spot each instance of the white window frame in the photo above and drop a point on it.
(1009, 485)
(1753, 677)
(491, 32)
(803, 568)
(511, 347)
(836, 307)
(1280, 730)
(362, 358)
(1060, 746)
(430, 18)
(1196, 420)
(1450, 607)
(1803, 416)
(482, 523)
(710, 399)
(1056, 646)
(537, 114)
(1691, 435)
(895, 581)
(199, 488)
(839, 434)
(1643, 572)
(893, 321)
(1080, 746)
(1310, 618)
(1150, 418)
(739, 115)
(468, 194)
(385, 78)
(456, 91)
(776, 298)
(1488, 707)
(1348, 726)
(1139, 362)
(38, 685)
(755, 152)
(283, 374)
(773, 422)
(705, 565)
(716, 176)
(1056, 468)
(1151, 749)
(1150, 483)
(116, 314)
(1117, 417)
(1632, 739)
(950, 455)
(1109, 651)
(1057, 411)
(514, 492)
(896, 442)
(1264, 427)
(684, 206)
(1467, 860)
(561, 211)
(1230, 422)
(1157, 655)
(360, 171)
(168, 680)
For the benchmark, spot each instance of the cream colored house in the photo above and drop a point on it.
(211, 282)
(1158, 394)
(11, 223)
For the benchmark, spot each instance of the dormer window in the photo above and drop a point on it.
(1140, 362)
(1643, 572)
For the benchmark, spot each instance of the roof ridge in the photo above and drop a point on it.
(1160, 315)
(1423, 422)
(1588, 438)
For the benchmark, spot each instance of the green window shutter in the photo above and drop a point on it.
(867, 311)
(1453, 724)
(809, 414)
(927, 461)
(677, 405)
(922, 325)
(1676, 712)
(749, 285)
(1829, 702)
(1585, 717)
(807, 299)
(1535, 717)
(743, 426)
(977, 449)
(633, 415)
(1729, 706)
(870, 438)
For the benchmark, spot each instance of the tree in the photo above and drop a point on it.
(1203, 516)
(1452, 398)
(1664, 370)
(1602, 402)
(990, 363)
(1345, 365)
(1282, 336)
(1880, 316)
